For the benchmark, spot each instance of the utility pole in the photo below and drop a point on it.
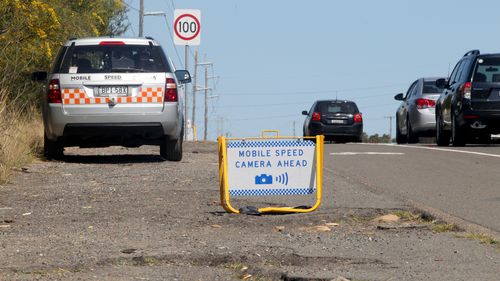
(193, 116)
(390, 126)
(206, 89)
(294, 127)
(141, 18)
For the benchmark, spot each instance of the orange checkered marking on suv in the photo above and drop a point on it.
(146, 95)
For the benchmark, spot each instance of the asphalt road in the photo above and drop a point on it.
(462, 182)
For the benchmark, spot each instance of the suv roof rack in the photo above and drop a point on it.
(150, 38)
(473, 52)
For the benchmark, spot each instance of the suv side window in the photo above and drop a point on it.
(465, 72)
(453, 76)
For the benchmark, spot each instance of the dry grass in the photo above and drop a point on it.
(21, 135)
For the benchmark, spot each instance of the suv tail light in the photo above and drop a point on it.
(54, 93)
(316, 116)
(425, 103)
(466, 90)
(358, 118)
(170, 91)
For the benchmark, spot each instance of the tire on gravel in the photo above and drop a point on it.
(52, 149)
(171, 149)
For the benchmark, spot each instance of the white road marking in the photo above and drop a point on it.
(367, 153)
(435, 148)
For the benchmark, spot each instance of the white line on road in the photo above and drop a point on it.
(435, 148)
(366, 153)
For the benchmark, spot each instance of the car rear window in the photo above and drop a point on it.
(487, 69)
(114, 58)
(431, 88)
(337, 107)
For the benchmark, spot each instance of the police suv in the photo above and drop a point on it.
(113, 91)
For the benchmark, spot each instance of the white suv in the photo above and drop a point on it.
(113, 91)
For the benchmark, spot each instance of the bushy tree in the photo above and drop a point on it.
(32, 31)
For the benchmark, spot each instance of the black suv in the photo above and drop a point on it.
(469, 106)
(338, 120)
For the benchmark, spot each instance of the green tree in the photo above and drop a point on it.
(31, 32)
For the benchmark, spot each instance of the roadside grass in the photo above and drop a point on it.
(21, 134)
(482, 238)
(445, 227)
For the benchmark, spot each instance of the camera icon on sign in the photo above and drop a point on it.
(263, 179)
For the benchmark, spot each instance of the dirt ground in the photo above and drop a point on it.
(123, 214)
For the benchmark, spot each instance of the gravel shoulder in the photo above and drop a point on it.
(123, 214)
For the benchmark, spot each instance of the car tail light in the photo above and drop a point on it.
(171, 90)
(103, 43)
(466, 90)
(316, 116)
(358, 118)
(425, 103)
(54, 93)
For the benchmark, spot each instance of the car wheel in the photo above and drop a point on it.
(411, 135)
(400, 138)
(442, 136)
(457, 133)
(171, 149)
(52, 149)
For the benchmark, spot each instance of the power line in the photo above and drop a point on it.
(172, 38)
(311, 92)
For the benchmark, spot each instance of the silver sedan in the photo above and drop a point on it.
(416, 114)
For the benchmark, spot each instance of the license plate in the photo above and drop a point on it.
(336, 121)
(112, 90)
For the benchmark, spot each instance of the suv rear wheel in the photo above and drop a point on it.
(442, 136)
(457, 132)
(171, 149)
(52, 149)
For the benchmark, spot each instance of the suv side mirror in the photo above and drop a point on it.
(183, 76)
(304, 112)
(442, 83)
(39, 76)
(399, 96)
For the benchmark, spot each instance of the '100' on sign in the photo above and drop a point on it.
(187, 27)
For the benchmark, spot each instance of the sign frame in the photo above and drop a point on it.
(225, 196)
(195, 18)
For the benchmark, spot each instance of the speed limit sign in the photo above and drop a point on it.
(187, 27)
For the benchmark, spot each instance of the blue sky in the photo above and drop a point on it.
(275, 58)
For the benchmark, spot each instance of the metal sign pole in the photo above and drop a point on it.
(186, 50)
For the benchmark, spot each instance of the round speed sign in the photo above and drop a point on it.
(187, 27)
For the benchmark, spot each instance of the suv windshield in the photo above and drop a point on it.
(487, 70)
(431, 88)
(337, 107)
(114, 58)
